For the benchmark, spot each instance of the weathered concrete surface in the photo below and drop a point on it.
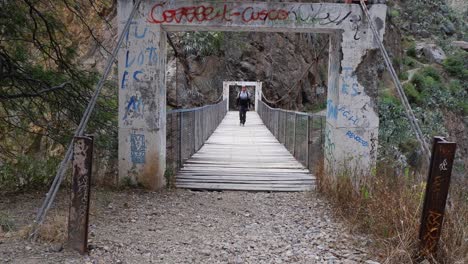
(352, 122)
(142, 100)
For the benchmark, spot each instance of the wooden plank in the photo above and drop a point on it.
(244, 158)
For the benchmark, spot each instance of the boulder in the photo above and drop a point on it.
(460, 44)
(434, 53)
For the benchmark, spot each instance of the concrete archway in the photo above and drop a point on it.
(352, 122)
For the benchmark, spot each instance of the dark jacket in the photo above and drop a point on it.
(243, 103)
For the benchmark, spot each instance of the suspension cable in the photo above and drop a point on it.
(409, 111)
(50, 196)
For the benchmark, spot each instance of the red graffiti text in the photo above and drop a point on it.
(203, 13)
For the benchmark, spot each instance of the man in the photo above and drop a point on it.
(243, 101)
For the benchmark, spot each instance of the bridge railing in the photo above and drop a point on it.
(188, 129)
(301, 133)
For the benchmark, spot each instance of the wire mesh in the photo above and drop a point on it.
(301, 133)
(188, 130)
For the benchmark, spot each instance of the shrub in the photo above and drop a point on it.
(412, 93)
(457, 65)
(411, 51)
(27, 172)
(403, 76)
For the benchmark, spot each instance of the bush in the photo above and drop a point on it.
(27, 172)
(412, 93)
(411, 51)
(410, 62)
(457, 65)
(403, 76)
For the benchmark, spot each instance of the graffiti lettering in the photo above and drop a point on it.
(203, 13)
(434, 221)
(138, 148)
(349, 80)
(332, 109)
(135, 107)
(443, 165)
(357, 138)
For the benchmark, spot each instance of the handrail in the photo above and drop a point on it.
(301, 133)
(188, 129)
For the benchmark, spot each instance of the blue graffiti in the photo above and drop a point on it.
(346, 113)
(134, 107)
(357, 138)
(126, 76)
(138, 148)
(332, 109)
(349, 80)
(135, 34)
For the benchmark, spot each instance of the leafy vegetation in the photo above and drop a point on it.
(44, 88)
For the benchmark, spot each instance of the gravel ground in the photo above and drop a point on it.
(193, 227)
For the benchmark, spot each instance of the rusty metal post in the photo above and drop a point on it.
(81, 186)
(440, 171)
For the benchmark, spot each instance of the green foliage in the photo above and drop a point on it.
(403, 76)
(394, 13)
(412, 51)
(27, 172)
(413, 95)
(203, 43)
(457, 65)
(410, 62)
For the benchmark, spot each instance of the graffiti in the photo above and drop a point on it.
(349, 81)
(373, 151)
(443, 165)
(135, 32)
(431, 237)
(137, 148)
(135, 61)
(134, 108)
(203, 13)
(79, 206)
(329, 146)
(304, 14)
(332, 109)
(346, 113)
(357, 138)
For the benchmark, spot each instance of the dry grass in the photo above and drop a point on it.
(388, 207)
(53, 230)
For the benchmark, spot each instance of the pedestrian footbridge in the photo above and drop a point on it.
(273, 154)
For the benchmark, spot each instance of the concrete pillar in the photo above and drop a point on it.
(226, 94)
(258, 94)
(142, 99)
(352, 120)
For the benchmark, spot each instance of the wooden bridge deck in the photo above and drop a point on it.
(245, 158)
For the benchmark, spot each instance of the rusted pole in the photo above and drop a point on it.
(81, 186)
(440, 171)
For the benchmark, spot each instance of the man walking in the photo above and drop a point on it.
(243, 101)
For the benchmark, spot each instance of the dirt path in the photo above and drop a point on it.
(195, 227)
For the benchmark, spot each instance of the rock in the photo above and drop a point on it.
(28, 248)
(448, 28)
(205, 252)
(460, 44)
(434, 53)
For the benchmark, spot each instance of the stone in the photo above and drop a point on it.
(433, 53)
(460, 44)
(448, 28)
